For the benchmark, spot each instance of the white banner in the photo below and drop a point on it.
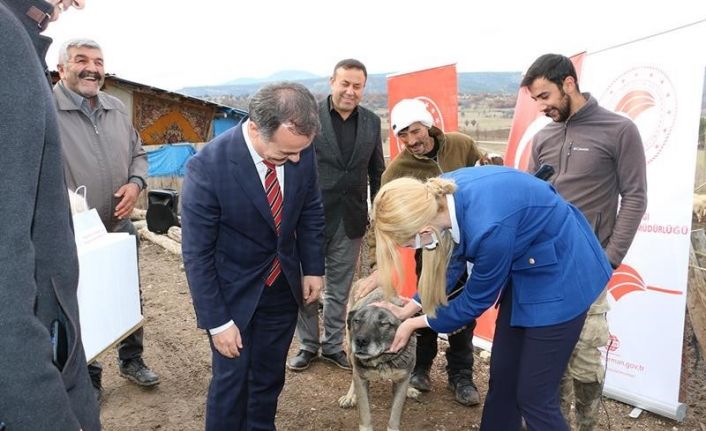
(657, 82)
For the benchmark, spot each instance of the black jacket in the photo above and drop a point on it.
(344, 185)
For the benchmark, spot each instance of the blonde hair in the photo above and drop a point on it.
(401, 209)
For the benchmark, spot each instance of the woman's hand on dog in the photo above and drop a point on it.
(405, 330)
(402, 313)
(365, 286)
(228, 343)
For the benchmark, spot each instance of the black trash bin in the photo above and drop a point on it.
(162, 210)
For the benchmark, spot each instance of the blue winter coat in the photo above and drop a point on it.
(518, 232)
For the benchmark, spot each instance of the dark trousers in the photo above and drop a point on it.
(131, 347)
(525, 373)
(459, 355)
(243, 392)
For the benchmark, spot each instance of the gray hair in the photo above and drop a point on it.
(75, 43)
(284, 103)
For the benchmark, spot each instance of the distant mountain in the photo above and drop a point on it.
(468, 83)
(284, 75)
(489, 82)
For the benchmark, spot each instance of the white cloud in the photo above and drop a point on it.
(176, 43)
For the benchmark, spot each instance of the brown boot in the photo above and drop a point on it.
(588, 397)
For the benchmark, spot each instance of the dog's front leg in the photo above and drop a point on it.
(348, 400)
(399, 390)
(361, 389)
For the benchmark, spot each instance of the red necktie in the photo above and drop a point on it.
(274, 198)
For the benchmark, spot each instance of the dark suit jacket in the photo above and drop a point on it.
(344, 185)
(228, 234)
(38, 263)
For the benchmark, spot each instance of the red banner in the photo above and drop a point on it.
(438, 89)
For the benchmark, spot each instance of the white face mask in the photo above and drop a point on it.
(431, 246)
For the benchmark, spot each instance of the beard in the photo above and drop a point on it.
(563, 110)
(417, 147)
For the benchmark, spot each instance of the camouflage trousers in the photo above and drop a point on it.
(583, 381)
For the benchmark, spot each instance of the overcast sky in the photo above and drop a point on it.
(176, 43)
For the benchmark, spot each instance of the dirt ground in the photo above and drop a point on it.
(179, 352)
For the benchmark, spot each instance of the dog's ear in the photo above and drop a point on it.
(349, 319)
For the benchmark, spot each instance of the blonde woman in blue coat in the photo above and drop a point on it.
(532, 253)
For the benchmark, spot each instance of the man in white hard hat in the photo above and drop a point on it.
(429, 152)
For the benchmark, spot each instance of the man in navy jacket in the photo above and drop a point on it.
(249, 266)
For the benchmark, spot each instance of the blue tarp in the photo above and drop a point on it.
(226, 119)
(223, 124)
(169, 160)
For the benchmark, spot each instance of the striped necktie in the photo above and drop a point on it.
(274, 198)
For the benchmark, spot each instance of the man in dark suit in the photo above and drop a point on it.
(44, 383)
(253, 229)
(349, 155)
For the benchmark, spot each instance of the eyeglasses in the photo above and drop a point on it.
(432, 244)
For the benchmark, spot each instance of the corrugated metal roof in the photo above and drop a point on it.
(111, 78)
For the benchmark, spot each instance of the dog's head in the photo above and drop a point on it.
(372, 330)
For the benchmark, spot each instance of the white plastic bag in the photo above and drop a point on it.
(77, 200)
(87, 223)
(108, 286)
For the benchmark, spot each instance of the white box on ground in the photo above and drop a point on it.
(108, 291)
